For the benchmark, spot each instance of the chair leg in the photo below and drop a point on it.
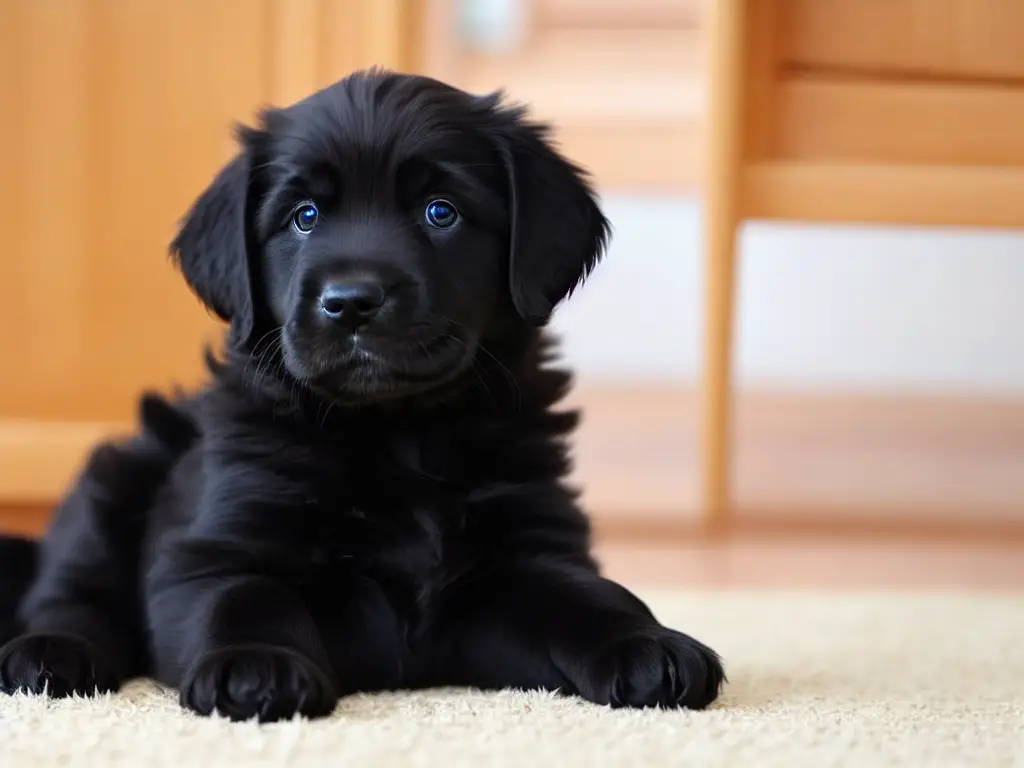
(726, 27)
(716, 390)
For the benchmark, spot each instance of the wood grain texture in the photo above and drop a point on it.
(619, 14)
(117, 116)
(657, 157)
(24, 519)
(856, 111)
(293, 61)
(312, 43)
(39, 459)
(115, 133)
(969, 39)
(928, 195)
(622, 82)
(816, 561)
(830, 118)
(45, 204)
(355, 34)
(726, 29)
(760, 81)
(880, 460)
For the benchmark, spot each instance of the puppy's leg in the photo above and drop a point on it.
(17, 571)
(81, 619)
(541, 623)
(364, 635)
(241, 645)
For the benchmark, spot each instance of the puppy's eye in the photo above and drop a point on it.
(304, 218)
(441, 214)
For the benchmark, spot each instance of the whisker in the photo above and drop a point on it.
(504, 368)
(255, 349)
(507, 373)
(327, 412)
(473, 366)
(265, 359)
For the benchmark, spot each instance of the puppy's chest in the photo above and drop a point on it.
(409, 553)
(385, 512)
(365, 534)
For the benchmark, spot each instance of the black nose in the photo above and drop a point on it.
(352, 303)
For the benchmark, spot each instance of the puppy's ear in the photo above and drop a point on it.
(557, 230)
(212, 246)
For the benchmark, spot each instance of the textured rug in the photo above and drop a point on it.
(816, 679)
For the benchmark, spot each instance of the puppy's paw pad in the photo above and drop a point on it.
(661, 669)
(262, 681)
(58, 665)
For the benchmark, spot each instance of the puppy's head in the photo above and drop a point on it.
(383, 229)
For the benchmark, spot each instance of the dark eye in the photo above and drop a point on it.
(304, 218)
(441, 214)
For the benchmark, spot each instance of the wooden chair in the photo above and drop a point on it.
(872, 111)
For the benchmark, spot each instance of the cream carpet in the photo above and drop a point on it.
(816, 679)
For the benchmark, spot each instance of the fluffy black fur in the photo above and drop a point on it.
(368, 494)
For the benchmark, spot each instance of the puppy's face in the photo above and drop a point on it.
(383, 229)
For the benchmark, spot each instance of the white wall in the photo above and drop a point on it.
(820, 306)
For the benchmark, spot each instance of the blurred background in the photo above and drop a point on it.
(878, 362)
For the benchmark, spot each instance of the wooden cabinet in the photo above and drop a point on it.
(116, 113)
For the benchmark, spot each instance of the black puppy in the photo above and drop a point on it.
(370, 492)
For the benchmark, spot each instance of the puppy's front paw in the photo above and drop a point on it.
(58, 665)
(262, 681)
(659, 668)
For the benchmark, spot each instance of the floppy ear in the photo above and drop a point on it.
(212, 247)
(557, 230)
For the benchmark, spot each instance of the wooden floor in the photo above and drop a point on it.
(864, 561)
(906, 460)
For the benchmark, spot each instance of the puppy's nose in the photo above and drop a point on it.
(352, 303)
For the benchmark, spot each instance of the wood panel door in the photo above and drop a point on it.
(622, 80)
(116, 113)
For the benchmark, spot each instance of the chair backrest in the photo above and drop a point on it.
(897, 111)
